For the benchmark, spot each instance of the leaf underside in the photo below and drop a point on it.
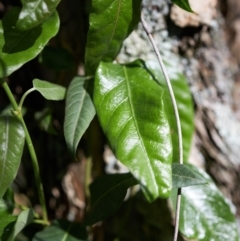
(49, 90)
(131, 112)
(79, 112)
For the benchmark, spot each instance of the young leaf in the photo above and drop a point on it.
(184, 104)
(131, 112)
(18, 47)
(205, 213)
(14, 228)
(184, 176)
(34, 13)
(110, 23)
(62, 230)
(107, 195)
(12, 138)
(79, 112)
(49, 90)
(184, 4)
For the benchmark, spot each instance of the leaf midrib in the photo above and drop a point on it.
(134, 120)
(114, 28)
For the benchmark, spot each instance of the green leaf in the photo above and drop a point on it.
(79, 112)
(184, 104)
(35, 12)
(18, 47)
(110, 23)
(205, 213)
(6, 220)
(107, 195)
(184, 176)
(62, 230)
(12, 138)
(6, 217)
(184, 4)
(109, 191)
(14, 228)
(130, 109)
(49, 90)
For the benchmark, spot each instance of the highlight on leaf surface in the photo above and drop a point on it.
(130, 108)
(205, 213)
(110, 22)
(34, 13)
(184, 101)
(18, 47)
(12, 139)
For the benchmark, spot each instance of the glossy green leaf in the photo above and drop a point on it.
(14, 228)
(6, 221)
(19, 47)
(62, 230)
(184, 176)
(35, 12)
(49, 90)
(130, 109)
(184, 104)
(79, 112)
(205, 213)
(12, 138)
(107, 195)
(184, 4)
(110, 23)
(6, 217)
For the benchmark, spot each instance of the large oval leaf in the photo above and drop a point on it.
(62, 230)
(35, 12)
(79, 112)
(18, 47)
(184, 104)
(184, 4)
(205, 213)
(12, 138)
(131, 112)
(49, 90)
(110, 23)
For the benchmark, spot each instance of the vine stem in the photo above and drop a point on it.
(180, 146)
(18, 114)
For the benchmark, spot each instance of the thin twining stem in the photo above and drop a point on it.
(180, 146)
